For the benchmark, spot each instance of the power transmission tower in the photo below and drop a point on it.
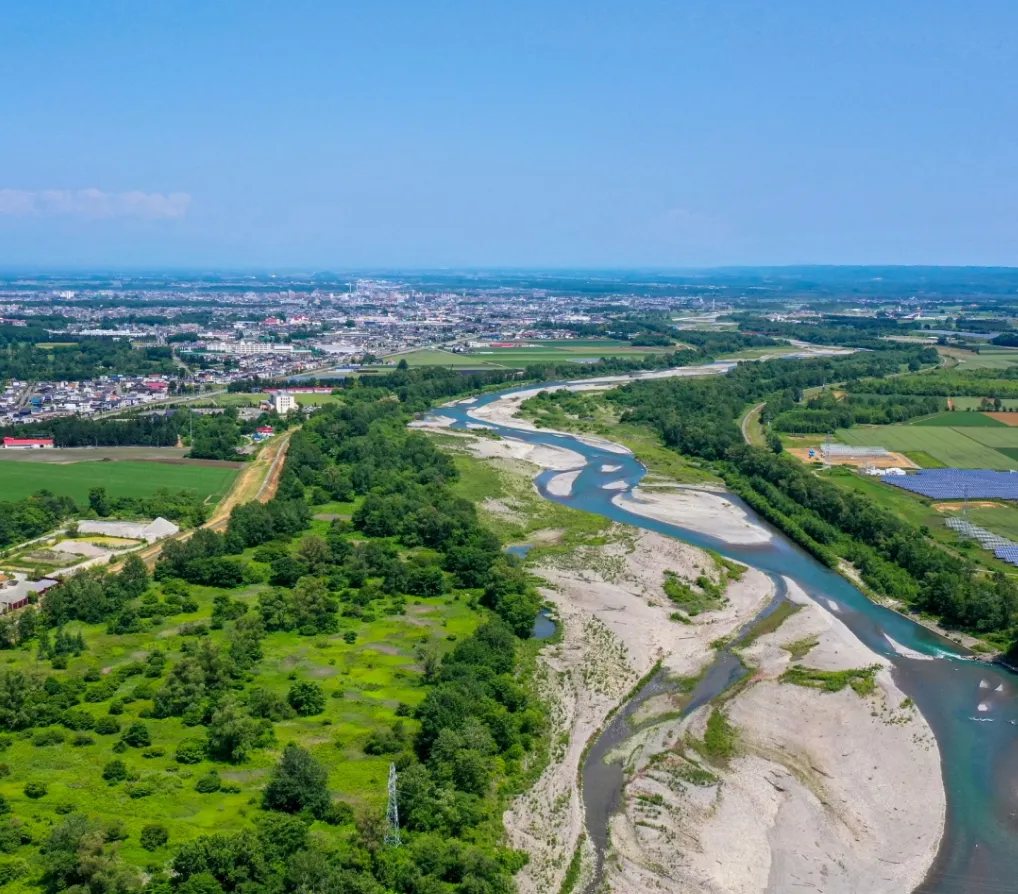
(392, 812)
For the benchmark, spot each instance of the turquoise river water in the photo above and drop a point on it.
(978, 747)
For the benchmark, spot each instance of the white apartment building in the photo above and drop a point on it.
(283, 403)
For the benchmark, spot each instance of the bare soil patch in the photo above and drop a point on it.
(892, 460)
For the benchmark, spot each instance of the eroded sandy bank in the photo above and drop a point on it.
(830, 791)
(711, 513)
(562, 485)
(615, 626)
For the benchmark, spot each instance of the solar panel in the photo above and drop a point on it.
(959, 484)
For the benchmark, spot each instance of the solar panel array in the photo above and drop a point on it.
(986, 539)
(959, 484)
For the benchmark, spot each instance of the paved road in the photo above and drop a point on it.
(752, 414)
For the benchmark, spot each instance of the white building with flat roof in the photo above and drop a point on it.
(283, 403)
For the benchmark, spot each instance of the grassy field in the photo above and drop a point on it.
(960, 448)
(551, 351)
(987, 358)
(364, 680)
(121, 479)
(433, 357)
(247, 399)
(960, 419)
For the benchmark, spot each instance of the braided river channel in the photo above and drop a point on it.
(971, 706)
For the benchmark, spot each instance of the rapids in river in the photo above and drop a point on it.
(971, 706)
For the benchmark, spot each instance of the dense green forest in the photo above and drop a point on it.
(698, 417)
(826, 412)
(77, 360)
(855, 332)
(464, 747)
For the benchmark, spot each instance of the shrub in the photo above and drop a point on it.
(191, 751)
(115, 771)
(35, 790)
(209, 783)
(82, 739)
(141, 789)
(137, 735)
(107, 726)
(306, 698)
(154, 836)
(47, 737)
(75, 719)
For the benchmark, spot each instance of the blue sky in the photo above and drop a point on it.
(488, 133)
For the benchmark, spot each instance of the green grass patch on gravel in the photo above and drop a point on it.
(860, 679)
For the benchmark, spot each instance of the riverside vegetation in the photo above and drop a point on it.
(227, 723)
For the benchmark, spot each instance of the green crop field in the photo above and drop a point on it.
(954, 447)
(960, 419)
(988, 358)
(551, 351)
(121, 479)
(434, 357)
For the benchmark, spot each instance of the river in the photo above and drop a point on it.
(972, 707)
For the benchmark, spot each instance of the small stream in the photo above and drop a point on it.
(972, 707)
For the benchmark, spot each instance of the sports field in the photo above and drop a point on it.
(551, 351)
(121, 479)
(963, 448)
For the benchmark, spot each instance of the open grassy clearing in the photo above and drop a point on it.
(959, 419)
(364, 682)
(987, 358)
(121, 479)
(434, 357)
(580, 351)
(97, 454)
(504, 494)
(951, 446)
(591, 413)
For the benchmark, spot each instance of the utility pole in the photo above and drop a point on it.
(392, 812)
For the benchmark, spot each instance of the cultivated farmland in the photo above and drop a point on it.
(121, 479)
(955, 447)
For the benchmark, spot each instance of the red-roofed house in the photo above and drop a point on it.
(27, 443)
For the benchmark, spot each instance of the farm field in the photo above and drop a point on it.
(97, 454)
(987, 358)
(247, 399)
(960, 419)
(121, 479)
(434, 357)
(577, 350)
(960, 448)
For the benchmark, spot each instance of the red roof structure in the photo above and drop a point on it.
(28, 442)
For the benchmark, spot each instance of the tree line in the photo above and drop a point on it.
(698, 417)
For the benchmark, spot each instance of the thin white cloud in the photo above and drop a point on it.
(93, 204)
